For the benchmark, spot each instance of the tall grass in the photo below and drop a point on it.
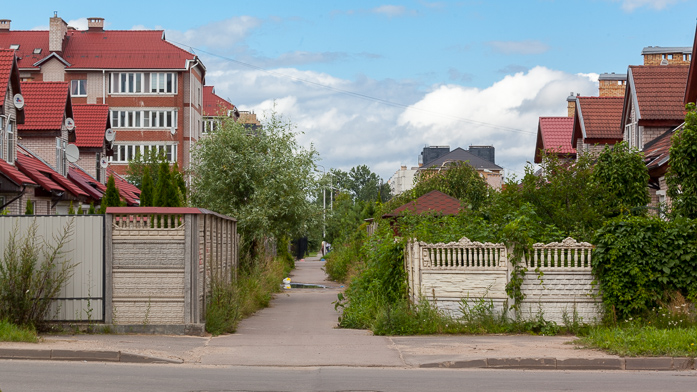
(13, 333)
(257, 281)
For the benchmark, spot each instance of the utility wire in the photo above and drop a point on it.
(355, 94)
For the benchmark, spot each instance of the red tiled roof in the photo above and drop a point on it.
(660, 91)
(214, 105)
(111, 49)
(91, 121)
(45, 105)
(7, 58)
(14, 174)
(46, 177)
(28, 41)
(657, 152)
(127, 191)
(554, 136)
(599, 118)
(86, 183)
(434, 201)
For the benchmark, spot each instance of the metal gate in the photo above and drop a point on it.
(82, 297)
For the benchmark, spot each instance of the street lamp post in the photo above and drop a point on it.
(324, 204)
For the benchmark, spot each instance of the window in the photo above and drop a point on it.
(210, 125)
(144, 118)
(3, 143)
(78, 88)
(126, 152)
(11, 143)
(670, 57)
(14, 46)
(628, 132)
(37, 51)
(126, 83)
(163, 83)
(686, 57)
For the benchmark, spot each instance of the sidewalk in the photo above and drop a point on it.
(299, 330)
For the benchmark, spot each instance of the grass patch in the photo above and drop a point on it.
(13, 333)
(253, 290)
(642, 340)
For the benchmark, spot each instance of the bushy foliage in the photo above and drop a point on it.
(640, 260)
(166, 192)
(32, 272)
(261, 177)
(621, 173)
(681, 178)
(111, 198)
(146, 189)
(29, 210)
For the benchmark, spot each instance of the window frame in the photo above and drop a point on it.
(123, 151)
(83, 85)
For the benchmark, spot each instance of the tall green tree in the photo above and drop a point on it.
(146, 189)
(166, 191)
(263, 178)
(29, 210)
(682, 173)
(111, 198)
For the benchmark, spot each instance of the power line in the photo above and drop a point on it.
(358, 95)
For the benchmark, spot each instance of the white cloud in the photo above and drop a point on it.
(348, 130)
(631, 5)
(221, 35)
(518, 47)
(390, 10)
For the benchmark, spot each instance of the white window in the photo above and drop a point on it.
(210, 125)
(686, 57)
(3, 143)
(11, 142)
(127, 152)
(78, 88)
(163, 83)
(126, 83)
(144, 118)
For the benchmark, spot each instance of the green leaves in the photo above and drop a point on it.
(682, 173)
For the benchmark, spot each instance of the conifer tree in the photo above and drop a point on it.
(71, 210)
(91, 210)
(166, 193)
(146, 193)
(30, 208)
(111, 198)
(79, 210)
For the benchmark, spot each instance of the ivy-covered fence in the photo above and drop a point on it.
(556, 280)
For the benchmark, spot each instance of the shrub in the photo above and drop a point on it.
(31, 274)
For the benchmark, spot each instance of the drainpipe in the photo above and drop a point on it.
(103, 87)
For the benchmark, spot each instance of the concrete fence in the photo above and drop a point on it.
(558, 281)
(161, 263)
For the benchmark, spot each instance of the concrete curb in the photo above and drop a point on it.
(82, 355)
(641, 363)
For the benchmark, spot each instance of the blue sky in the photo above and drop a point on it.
(455, 73)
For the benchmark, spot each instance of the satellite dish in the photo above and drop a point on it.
(72, 153)
(69, 124)
(110, 135)
(18, 101)
(173, 130)
(103, 163)
(664, 62)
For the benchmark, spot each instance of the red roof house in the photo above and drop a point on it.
(691, 87)
(91, 124)
(432, 202)
(596, 123)
(653, 103)
(152, 87)
(554, 137)
(52, 184)
(127, 191)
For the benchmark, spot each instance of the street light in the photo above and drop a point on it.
(324, 204)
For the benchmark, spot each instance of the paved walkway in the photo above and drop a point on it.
(299, 328)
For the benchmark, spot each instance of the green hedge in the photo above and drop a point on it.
(639, 261)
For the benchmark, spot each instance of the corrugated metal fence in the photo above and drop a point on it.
(82, 298)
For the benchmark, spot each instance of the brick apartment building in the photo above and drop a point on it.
(154, 89)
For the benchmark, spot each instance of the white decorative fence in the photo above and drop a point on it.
(558, 281)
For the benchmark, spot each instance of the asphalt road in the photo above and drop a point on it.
(25, 376)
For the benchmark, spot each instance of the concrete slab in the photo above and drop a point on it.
(590, 364)
(20, 353)
(661, 363)
(522, 363)
(80, 355)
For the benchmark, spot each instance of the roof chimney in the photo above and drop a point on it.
(57, 30)
(571, 104)
(5, 25)
(95, 24)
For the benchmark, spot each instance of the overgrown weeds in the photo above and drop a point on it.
(32, 272)
(12, 333)
(253, 290)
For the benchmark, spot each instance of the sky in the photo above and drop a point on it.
(372, 82)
